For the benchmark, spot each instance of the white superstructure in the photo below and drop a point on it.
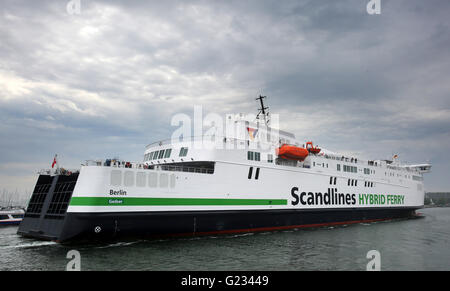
(245, 167)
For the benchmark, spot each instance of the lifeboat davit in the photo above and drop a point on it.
(312, 149)
(292, 152)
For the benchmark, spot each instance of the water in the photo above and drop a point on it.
(414, 244)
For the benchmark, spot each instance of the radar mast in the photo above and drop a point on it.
(264, 110)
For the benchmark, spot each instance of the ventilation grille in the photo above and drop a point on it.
(61, 196)
(38, 197)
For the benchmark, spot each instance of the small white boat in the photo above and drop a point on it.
(11, 216)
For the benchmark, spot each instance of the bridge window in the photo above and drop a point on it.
(183, 152)
(167, 154)
(350, 169)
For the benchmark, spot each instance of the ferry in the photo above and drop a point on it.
(255, 178)
(11, 216)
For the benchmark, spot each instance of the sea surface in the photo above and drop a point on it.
(410, 244)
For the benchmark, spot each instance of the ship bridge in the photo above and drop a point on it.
(421, 168)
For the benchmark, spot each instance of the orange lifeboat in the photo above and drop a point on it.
(312, 149)
(292, 152)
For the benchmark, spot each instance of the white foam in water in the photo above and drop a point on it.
(241, 235)
(30, 245)
(119, 244)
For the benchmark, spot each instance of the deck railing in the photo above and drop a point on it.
(187, 169)
(130, 165)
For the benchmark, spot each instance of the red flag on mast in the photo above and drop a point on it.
(54, 161)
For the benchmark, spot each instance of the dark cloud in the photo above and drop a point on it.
(106, 82)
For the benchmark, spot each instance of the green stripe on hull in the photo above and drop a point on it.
(134, 201)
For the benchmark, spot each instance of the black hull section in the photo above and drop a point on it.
(105, 226)
(45, 216)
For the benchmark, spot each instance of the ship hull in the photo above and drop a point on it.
(108, 226)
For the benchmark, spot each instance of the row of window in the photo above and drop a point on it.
(351, 182)
(353, 169)
(350, 169)
(346, 168)
(256, 156)
(323, 165)
(253, 156)
(368, 171)
(164, 154)
(158, 155)
(142, 179)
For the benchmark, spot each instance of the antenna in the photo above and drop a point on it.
(264, 110)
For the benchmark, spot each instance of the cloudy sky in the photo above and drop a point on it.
(106, 81)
